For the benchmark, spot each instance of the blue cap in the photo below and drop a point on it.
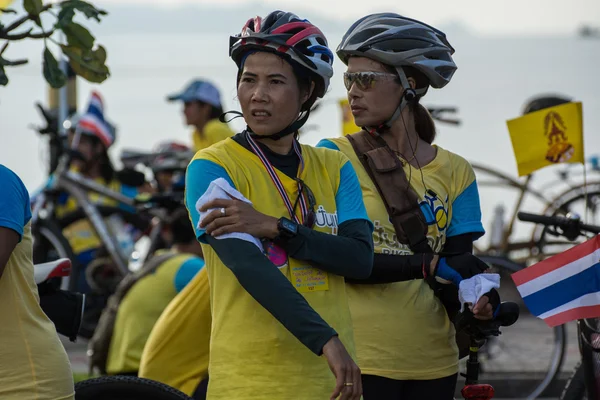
(199, 90)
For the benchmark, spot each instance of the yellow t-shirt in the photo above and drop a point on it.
(177, 350)
(33, 362)
(80, 234)
(214, 131)
(142, 306)
(401, 329)
(252, 355)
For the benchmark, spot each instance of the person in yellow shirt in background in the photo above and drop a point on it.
(147, 298)
(33, 362)
(202, 108)
(177, 350)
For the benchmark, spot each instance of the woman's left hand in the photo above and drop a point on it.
(232, 215)
(483, 310)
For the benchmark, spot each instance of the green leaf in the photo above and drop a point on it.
(82, 6)
(78, 36)
(87, 63)
(34, 8)
(65, 17)
(3, 77)
(52, 72)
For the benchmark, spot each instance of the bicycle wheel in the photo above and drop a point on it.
(575, 388)
(528, 354)
(126, 388)
(573, 200)
(49, 244)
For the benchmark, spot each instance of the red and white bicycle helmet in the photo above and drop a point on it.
(286, 34)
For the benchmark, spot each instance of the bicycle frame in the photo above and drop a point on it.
(473, 390)
(78, 187)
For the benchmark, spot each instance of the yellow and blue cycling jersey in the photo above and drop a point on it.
(33, 362)
(214, 131)
(251, 353)
(401, 329)
(142, 306)
(177, 351)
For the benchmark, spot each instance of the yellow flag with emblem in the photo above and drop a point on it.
(348, 125)
(550, 136)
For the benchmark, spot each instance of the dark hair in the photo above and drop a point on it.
(107, 170)
(540, 102)
(215, 112)
(424, 124)
(181, 227)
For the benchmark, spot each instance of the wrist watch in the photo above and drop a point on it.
(287, 229)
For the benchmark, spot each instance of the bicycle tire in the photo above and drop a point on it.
(560, 205)
(47, 233)
(575, 387)
(507, 267)
(126, 388)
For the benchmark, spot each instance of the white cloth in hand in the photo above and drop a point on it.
(470, 290)
(221, 189)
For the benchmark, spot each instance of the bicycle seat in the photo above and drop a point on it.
(54, 269)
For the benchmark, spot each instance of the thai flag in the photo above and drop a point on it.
(565, 287)
(93, 120)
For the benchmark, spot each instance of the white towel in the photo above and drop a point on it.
(221, 189)
(470, 290)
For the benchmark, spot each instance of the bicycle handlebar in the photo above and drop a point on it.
(571, 227)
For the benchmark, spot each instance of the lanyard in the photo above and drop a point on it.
(280, 188)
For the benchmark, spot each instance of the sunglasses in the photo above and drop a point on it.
(304, 190)
(366, 80)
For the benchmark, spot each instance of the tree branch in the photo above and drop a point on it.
(3, 48)
(27, 34)
(22, 20)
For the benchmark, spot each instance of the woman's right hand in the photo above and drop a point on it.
(347, 374)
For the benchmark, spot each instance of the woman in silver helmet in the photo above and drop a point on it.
(405, 339)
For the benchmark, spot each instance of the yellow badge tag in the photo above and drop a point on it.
(309, 279)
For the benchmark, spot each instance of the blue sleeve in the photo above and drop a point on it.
(200, 173)
(328, 144)
(15, 209)
(187, 272)
(466, 214)
(349, 199)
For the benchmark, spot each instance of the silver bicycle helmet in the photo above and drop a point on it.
(400, 42)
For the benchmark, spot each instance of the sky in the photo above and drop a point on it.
(512, 17)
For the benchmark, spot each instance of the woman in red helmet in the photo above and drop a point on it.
(279, 301)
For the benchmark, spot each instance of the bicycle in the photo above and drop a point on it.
(49, 242)
(583, 382)
(562, 203)
(479, 332)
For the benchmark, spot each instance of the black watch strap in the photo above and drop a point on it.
(287, 229)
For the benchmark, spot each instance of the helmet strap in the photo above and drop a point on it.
(408, 96)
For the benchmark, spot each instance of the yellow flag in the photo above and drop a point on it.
(550, 136)
(5, 4)
(348, 125)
